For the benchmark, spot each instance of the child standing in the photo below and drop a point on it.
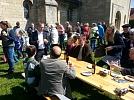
(31, 68)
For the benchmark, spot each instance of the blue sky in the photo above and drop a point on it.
(132, 4)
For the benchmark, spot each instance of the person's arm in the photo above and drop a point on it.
(11, 35)
(37, 70)
(127, 71)
(120, 42)
(124, 71)
(70, 72)
(88, 51)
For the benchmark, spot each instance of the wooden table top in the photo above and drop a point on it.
(102, 83)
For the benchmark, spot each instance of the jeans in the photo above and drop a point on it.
(15, 58)
(99, 40)
(48, 47)
(93, 44)
(9, 54)
(62, 44)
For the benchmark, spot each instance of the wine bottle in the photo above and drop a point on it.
(93, 67)
(67, 58)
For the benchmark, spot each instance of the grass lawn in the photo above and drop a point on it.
(12, 87)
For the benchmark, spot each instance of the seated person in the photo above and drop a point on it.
(129, 66)
(83, 51)
(70, 46)
(55, 74)
(31, 67)
(114, 47)
(128, 44)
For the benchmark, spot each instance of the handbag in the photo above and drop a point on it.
(100, 51)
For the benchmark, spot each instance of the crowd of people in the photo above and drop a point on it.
(82, 40)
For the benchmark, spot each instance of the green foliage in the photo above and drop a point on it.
(131, 22)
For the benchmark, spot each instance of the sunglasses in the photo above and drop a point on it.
(131, 34)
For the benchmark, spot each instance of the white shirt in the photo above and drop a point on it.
(80, 53)
(40, 38)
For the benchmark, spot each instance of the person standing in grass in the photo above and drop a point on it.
(8, 38)
(31, 68)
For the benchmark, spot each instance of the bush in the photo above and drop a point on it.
(131, 22)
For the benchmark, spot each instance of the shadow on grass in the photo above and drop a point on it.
(2, 62)
(19, 93)
(16, 75)
(89, 92)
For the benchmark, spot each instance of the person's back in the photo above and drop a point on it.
(32, 70)
(54, 77)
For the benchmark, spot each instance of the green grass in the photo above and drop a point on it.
(12, 87)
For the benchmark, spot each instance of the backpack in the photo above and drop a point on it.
(17, 43)
(100, 51)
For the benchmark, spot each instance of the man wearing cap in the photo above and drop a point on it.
(126, 29)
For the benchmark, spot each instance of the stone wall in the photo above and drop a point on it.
(95, 11)
(51, 11)
(12, 11)
(123, 7)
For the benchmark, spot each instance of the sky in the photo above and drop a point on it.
(132, 4)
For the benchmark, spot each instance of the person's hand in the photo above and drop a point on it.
(38, 41)
(114, 66)
(45, 40)
(71, 64)
(4, 33)
(109, 48)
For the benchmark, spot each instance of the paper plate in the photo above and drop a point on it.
(89, 66)
(129, 78)
(131, 86)
(114, 74)
(86, 73)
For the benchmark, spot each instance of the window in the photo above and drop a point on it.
(69, 15)
(26, 10)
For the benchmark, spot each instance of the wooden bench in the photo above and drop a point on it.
(45, 96)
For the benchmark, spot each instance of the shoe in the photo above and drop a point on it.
(11, 71)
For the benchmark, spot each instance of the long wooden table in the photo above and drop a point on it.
(102, 83)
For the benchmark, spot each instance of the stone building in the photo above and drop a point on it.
(51, 11)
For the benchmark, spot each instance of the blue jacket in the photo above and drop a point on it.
(101, 31)
(118, 46)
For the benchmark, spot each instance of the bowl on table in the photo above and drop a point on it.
(104, 72)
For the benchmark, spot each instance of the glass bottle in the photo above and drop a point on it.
(93, 67)
(65, 54)
(67, 58)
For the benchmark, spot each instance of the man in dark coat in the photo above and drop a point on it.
(39, 39)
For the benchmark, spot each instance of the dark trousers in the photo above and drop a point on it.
(101, 64)
(69, 35)
(52, 45)
(99, 40)
(40, 53)
(62, 44)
